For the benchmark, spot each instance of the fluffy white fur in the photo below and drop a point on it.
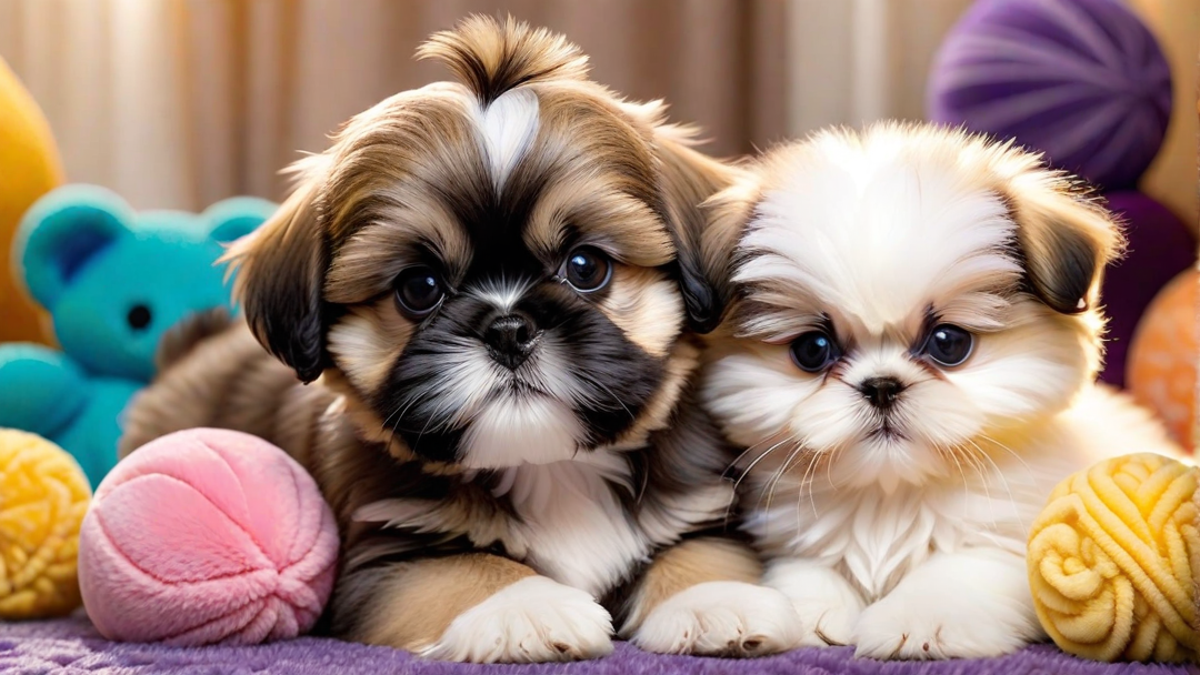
(533, 620)
(512, 430)
(573, 527)
(908, 545)
(720, 617)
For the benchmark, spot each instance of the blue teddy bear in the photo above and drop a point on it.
(113, 281)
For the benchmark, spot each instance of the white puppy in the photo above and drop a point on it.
(910, 358)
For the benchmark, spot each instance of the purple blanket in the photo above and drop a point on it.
(73, 646)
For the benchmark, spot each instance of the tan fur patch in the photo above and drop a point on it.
(687, 564)
(369, 261)
(387, 193)
(656, 414)
(367, 342)
(414, 605)
(603, 216)
(580, 131)
(646, 306)
(369, 425)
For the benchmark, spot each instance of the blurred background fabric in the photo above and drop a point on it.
(179, 103)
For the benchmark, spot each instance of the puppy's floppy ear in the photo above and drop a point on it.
(728, 213)
(688, 178)
(1066, 239)
(280, 270)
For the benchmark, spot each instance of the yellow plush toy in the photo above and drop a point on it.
(29, 167)
(43, 498)
(1114, 561)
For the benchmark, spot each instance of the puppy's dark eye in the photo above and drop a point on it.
(418, 291)
(587, 269)
(815, 351)
(949, 345)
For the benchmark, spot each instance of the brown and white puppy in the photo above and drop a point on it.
(491, 282)
(910, 361)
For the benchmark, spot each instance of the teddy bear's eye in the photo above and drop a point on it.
(138, 317)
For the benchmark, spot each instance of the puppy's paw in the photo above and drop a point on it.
(534, 620)
(904, 630)
(828, 606)
(951, 607)
(721, 618)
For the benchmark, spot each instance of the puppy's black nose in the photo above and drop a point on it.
(881, 391)
(510, 340)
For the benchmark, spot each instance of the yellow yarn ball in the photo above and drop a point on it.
(43, 498)
(1114, 561)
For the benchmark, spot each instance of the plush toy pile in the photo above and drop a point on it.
(113, 281)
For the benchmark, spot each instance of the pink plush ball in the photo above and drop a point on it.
(206, 536)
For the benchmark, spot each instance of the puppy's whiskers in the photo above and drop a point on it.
(436, 414)
(399, 414)
(806, 484)
(1007, 488)
(737, 483)
(779, 473)
(593, 381)
(1016, 456)
(944, 452)
(750, 449)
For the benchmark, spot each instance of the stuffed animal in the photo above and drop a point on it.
(43, 498)
(246, 552)
(1114, 561)
(113, 281)
(30, 168)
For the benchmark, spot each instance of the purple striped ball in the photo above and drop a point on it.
(1083, 81)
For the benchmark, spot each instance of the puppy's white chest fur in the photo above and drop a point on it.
(875, 538)
(572, 527)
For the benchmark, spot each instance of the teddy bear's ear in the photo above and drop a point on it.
(237, 217)
(61, 232)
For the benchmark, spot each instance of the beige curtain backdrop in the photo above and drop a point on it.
(178, 103)
(856, 61)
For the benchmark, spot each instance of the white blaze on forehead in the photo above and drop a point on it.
(507, 129)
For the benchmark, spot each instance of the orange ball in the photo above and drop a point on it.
(1163, 357)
